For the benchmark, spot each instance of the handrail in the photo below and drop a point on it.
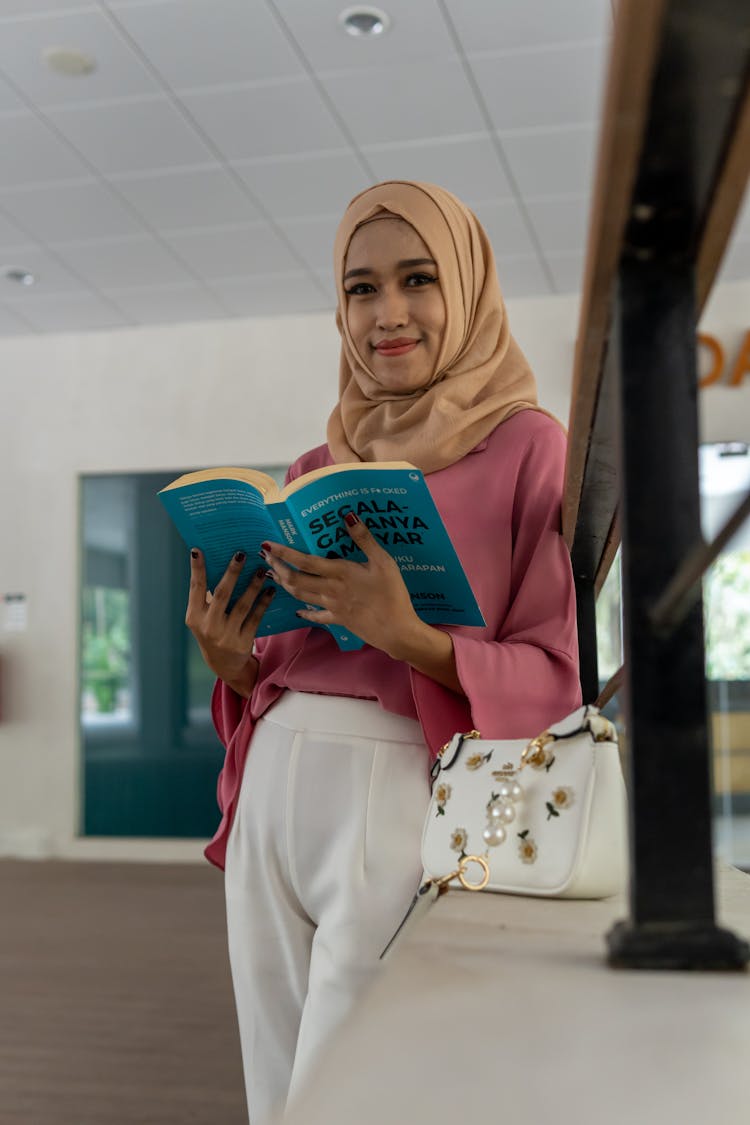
(591, 472)
(632, 61)
(673, 161)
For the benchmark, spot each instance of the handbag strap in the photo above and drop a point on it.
(612, 686)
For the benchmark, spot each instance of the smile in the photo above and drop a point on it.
(392, 348)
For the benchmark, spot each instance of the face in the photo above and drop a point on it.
(395, 310)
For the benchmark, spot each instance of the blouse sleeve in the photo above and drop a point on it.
(527, 676)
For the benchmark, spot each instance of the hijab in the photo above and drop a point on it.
(481, 377)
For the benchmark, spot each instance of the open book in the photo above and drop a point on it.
(225, 510)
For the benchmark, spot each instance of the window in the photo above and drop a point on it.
(150, 754)
(725, 480)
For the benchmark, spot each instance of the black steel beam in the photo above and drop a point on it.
(701, 78)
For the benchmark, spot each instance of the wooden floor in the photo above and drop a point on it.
(115, 997)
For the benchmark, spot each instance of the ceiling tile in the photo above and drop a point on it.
(470, 168)
(544, 161)
(567, 271)
(9, 99)
(119, 263)
(417, 32)
(488, 25)
(162, 304)
(71, 211)
(561, 224)
(70, 312)
(506, 228)
(405, 102)
(196, 197)
(196, 43)
(326, 279)
(10, 234)
(234, 251)
(313, 239)
(12, 324)
(267, 119)
(119, 72)
(533, 89)
(37, 154)
(522, 277)
(305, 185)
(10, 9)
(135, 136)
(50, 273)
(274, 294)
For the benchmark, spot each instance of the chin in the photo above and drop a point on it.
(403, 382)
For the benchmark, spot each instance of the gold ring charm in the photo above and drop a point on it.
(484, 879)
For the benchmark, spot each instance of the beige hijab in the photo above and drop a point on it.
(481, 376)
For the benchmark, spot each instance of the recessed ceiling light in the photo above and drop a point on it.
(364, 21)
(21, 277)
(69, 61)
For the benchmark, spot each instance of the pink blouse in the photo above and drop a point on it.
(501, 506)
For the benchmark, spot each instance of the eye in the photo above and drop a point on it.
(360, 289)
(415, 280)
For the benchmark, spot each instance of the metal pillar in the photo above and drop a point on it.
(672, 922)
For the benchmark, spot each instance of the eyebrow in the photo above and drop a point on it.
(405, 263)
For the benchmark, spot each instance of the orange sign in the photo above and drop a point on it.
(739, 371)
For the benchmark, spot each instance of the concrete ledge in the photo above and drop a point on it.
(502, 1008)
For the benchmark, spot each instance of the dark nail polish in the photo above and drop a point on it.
(265, 547)
(194, 554)
(351, 518)
(261, 572)
(240, 557)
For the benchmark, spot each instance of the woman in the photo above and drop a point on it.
(322, 819)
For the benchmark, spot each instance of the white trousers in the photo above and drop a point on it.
(322, 862)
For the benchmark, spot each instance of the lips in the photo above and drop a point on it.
(399, 346)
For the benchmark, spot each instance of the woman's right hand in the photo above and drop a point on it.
(226, 639)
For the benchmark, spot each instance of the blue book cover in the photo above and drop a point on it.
(225, 510)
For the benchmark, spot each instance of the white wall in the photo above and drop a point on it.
(169, 398)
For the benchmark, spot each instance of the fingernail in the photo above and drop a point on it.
(240, 557)
(193, 553)
(351, 518)
(265, 547)
(261, 572)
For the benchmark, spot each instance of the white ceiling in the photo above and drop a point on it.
(201, 170)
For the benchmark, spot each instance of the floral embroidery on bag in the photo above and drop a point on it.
(474, 761)
(527, 849)
(541, 759)
(442, 793)
(562, 798)
(459, 839)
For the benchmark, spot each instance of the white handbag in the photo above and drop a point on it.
(545, 817)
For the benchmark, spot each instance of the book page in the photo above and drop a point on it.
(265, 484)
(334, 470)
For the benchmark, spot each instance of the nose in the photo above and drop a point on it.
(392, 308)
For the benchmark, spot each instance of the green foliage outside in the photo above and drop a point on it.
(726, 599)
(106, 645)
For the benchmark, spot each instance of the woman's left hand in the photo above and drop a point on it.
(368, 598)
